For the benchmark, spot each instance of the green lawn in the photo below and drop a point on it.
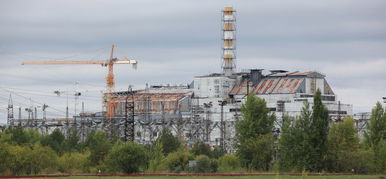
(235, 177)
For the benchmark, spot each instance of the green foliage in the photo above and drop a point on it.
(74, 162)
(256, 153)
(229, 163)
(169, 142)
(126, 157)
(254, 134)
(18, 135)
(156, 157)
(303, 143)
(202, 165)
(380, 157)
(376, 127)
(55, 141)
(99, 145)
(177, 161)
(376, 135)
(21, 160)
(71, 143)
(200, 148)
(19, 164)
(286, 144)
(217, 152)
(41, 159)
(5, 158)
(343, 146)
(318, 134)
(256, 119)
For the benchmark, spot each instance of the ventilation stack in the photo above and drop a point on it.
(229, 38)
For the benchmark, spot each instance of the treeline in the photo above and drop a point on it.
(309, 142)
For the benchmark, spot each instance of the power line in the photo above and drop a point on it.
(29, 99)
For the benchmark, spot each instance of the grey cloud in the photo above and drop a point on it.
(175, 40)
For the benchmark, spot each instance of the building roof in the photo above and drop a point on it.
(271, 86)
(296, 73)
(279, 83)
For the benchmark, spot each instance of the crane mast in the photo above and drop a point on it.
(110, 82)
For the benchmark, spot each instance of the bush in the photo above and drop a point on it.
(169, 142)
(74, 163)
(214, 165)
(200, 148)
(156, 158)
(19, 163)
(229, 162)
(202, 165)
(380, 157)
(177, 161)
(42, 159)
(126, 157)
(5, 158)
(99, 145)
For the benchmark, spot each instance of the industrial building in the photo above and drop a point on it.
(208, 108)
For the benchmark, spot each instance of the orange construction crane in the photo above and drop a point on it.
(110, 83)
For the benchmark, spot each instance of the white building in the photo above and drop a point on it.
(285, 93)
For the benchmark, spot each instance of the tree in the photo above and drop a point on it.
(99, 145)
(168, 141)
(71, 143)
(256, 119)
(217, 152)
(126, 157)
(20, 163)
(375, 135)
(380, 154)
(41, 159)
(156, 157)
(5, 158)
(74, 162)
(301, 137)
(286, 144)
(319, 133)
(255, 141)
(343, 146)
(55, 141)
(200, 148)
(18, 135)
(376, 127)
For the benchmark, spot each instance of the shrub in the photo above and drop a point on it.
(126, 157)
(202, 165)
(229, 162)
(74, 163)
(177, 161)
(200, 148)
(169, 142)
(42, 159)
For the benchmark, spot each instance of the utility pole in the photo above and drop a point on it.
(222, 103)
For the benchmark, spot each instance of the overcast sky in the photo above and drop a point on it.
(175, 40)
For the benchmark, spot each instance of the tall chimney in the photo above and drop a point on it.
(229, 38)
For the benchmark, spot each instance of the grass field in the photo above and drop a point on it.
(233, 177)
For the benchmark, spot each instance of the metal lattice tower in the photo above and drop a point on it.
(229, 38)
(129, 117)
(10, 117)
